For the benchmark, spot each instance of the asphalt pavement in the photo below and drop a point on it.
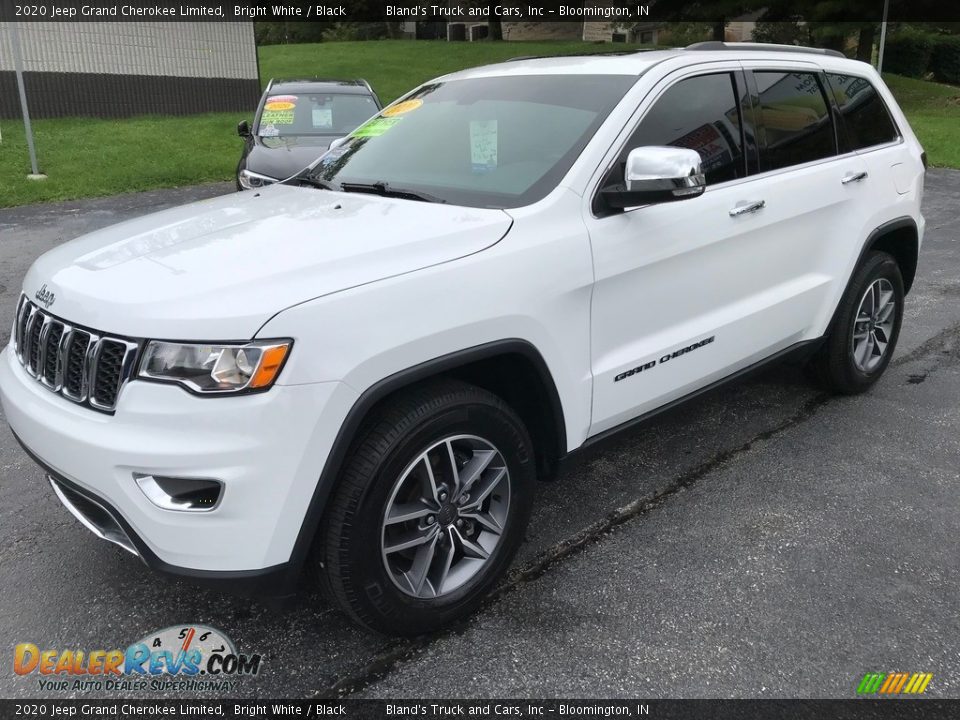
(765, 540)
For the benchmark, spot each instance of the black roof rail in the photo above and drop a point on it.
(769, 47)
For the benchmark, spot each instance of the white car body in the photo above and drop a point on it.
(372, 288)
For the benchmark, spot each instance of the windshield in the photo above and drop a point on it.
(493, 142)
(313, 114)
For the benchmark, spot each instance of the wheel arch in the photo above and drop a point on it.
(901, 239)
(512, 368)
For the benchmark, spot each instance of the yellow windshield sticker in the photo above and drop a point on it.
(402, 108)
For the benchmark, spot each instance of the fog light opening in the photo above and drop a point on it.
(181, 494)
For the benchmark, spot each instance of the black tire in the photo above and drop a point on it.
(833, 366)
(351, 568)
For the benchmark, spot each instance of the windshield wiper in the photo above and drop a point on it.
(384, 190)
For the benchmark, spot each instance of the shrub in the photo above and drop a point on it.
(274, 33)
(342, 31)
(681, 34)
(945, 59)
(908, 53)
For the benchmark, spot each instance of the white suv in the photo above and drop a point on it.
(362, 372)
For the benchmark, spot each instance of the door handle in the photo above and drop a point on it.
(853, 177)
(744, 208)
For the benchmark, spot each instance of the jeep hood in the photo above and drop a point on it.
(220, 268)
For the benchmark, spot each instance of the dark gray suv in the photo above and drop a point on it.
(295, 123)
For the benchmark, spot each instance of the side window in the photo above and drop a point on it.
(795, 121)
(700, 113)
(866, 120)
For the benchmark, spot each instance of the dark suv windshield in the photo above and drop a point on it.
(484, 142)
(313, 114)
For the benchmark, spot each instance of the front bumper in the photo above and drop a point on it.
(268, 449)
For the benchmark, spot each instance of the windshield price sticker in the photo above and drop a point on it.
(375, 128)
(402, 108)
(483, 145)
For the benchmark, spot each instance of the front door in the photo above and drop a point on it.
(691, 291)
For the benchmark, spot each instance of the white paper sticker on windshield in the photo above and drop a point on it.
(483, 145)
(322, 118)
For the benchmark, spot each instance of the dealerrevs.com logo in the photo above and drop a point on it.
(180, 657)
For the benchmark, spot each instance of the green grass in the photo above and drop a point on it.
(86, 157)
(395, 66)
(933, 110)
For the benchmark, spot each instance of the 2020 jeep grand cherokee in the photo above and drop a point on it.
(365, 370)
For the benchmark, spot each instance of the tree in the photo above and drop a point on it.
(781, 32)
(716, 12)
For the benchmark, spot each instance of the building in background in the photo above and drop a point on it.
(110, 69)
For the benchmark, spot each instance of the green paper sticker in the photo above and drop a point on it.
(374, 128)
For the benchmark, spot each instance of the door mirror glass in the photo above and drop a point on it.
(243, 129)
(656, 174)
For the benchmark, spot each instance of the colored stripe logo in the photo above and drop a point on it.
(894, 683)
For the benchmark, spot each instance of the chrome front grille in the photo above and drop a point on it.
(80, 364)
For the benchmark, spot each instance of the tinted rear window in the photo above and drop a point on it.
(795, 122)
(866, 120)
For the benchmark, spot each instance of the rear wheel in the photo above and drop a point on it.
(430, 509)
(864, 336)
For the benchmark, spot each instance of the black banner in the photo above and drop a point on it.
(487, 709)
(460, 11)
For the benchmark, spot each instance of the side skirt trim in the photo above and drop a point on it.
(593, 444)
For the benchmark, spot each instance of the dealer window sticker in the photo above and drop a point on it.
(281, 102)
(277, 117)
(402, 108)
(483, 145)
(277, 110)
(375, 127)
(322, 118)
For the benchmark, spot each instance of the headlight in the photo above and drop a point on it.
(251, 180)
(215, 369)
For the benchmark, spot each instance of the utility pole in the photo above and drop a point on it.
(883, 35)
(14, 33)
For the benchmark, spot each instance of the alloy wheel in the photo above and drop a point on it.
(873, 326)
(446, 515)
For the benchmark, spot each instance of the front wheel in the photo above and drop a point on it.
(430, 509)
(864, 336)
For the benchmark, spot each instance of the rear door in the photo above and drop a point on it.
(692, 291)
(819, 190)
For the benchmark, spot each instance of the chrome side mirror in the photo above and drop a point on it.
(657, 174)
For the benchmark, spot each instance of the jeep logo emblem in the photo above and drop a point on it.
(45, 297)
